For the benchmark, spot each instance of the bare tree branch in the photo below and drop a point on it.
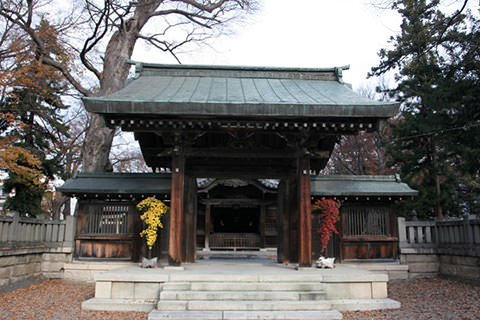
(41, 52)
(94, 39)
(189, 15)
(210, 7)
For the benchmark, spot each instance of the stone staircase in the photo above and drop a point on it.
(228, 291)
(243, 299)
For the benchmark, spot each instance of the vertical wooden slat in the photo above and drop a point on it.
(359, 219)
(358, 223)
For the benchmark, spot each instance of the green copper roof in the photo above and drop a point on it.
(154, 183)
(190, 90)
(117, 183)
(359, 186)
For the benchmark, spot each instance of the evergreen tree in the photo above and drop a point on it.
(34, 100)
(437, 142)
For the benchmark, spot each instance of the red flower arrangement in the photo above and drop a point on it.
(330, 215)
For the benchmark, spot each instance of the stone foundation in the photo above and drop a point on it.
(424, 263)
(421, 265)
(22, 263)
(460, 267)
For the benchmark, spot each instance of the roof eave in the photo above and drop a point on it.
(282, 110)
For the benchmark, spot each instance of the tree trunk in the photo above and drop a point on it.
(96, 147)
(99, 138)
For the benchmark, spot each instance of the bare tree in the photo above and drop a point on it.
(103, 35)
(363, 154)
(128, 161)
(125, 156)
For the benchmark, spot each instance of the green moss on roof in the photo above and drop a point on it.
(188, 90)
(351, 185)
(117, 183)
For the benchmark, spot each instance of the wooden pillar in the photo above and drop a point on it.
(292, 209)
(282, 251)
(176, 211)
(261, 225)
(208, 226)
(189, 219)
(287, 250)
(305, 213)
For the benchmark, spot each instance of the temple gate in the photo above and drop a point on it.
(239, 123)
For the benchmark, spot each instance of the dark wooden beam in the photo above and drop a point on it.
(330, 124)
(244, 202)
(305, 211)
(248, 154)
(223, 170)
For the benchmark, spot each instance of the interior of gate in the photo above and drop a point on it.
(237, 214)
(247, 150)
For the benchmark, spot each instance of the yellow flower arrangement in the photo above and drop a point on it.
(153, 210)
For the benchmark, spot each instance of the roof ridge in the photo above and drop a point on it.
(142, 65)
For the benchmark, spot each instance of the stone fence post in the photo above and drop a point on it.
(402, 232)
(468, 234)
(467, 229)
(70, 224)
(13, 229)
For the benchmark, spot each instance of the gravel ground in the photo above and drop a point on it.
(428, 299)
(55, 299)
(421, 299)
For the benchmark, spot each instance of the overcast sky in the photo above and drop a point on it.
(301, 33)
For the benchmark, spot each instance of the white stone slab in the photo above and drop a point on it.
(185, 315)
(257, 286)
(364, 304)
(103, 289)
(123, 290)
(282, 315)
(257, 305)
(212, 277)
(137, 305)
(230, 295)
(146, 290)
(172, 305)
(175, 268)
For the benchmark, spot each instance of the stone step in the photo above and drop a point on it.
(245, 315)
(245, 286)
(242, 295)
(242, 305)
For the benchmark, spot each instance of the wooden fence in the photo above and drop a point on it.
(21, 231)
(453, 237)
